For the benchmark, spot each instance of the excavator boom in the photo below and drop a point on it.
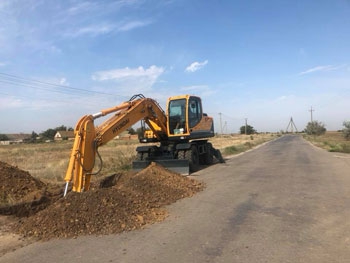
(88, 137)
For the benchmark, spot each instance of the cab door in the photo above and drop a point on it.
(194, 111)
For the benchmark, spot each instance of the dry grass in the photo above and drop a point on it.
(331, 141)
(45, 161)
(49, 161)
(234, 144)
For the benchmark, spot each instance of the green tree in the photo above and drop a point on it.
(131, 131)
(346, 130)
(61, 128)
(3, 137)
(33, 136)
(49, 134)
(315, 128)
(250, 129)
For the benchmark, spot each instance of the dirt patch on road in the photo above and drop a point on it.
(118, 203)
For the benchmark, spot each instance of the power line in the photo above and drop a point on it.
(31, 98)
(20, 81)
(76, 93)
(229, 117)
(11, 82)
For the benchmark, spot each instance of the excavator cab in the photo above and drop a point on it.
(186, 118)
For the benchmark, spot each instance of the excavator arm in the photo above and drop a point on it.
(89, 137)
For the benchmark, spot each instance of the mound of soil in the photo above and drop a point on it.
(23, 195)
(17, 185)
(132, 201)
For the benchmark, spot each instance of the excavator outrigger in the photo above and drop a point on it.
(182, 133)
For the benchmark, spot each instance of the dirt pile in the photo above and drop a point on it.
(132, 201)
(23, 195)
(17, 185)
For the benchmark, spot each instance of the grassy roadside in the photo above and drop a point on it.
(49, 161)
(246, 142)
(331, 141)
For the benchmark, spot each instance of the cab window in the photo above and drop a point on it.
(194, 112)
(177, 116)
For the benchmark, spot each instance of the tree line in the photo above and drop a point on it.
(312, 128)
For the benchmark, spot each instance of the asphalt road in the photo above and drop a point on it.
(286, 201)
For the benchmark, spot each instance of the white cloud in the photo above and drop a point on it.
(98, 7)
(2, 64)
(153, 72)
(64, 82)
(106, 28)
(322, 69)
(28, 24)
(194, 87)
(130, 80)
(93, 30)
(82, 7)
(48, 82)
(132, 25)
(196, 66)
(200, 90)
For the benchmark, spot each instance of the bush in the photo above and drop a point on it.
(346, 130)
(3, 137)
(315, 128)
(250, 129)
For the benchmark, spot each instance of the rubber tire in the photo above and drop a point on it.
(208, 157)
(193, 156)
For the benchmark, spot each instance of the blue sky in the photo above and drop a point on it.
(266, 61)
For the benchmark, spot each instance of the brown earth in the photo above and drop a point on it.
(115, 204)
(23, 195)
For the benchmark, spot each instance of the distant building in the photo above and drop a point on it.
(16, 138)
(64, 135)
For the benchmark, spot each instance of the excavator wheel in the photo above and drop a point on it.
(193, 158)
(209, 157)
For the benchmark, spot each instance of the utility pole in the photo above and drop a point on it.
(225, 127)
(246, 119)
(311, 110)
(292, 126)
(220, 122)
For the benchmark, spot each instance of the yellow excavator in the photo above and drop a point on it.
(181, 134)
